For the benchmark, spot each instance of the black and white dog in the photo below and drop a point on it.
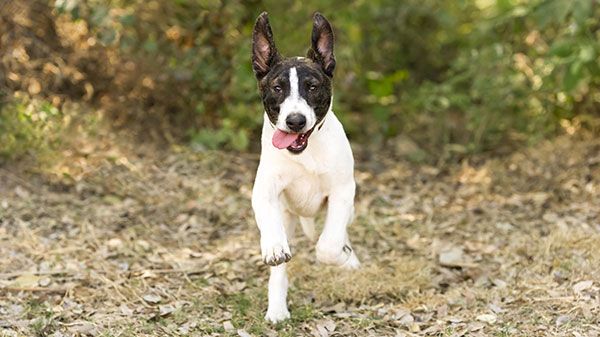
(306, 161)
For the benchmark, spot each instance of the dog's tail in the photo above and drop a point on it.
(308, 227)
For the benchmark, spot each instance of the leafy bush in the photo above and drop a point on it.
(457, 76)
(525, 68)
(191, 62)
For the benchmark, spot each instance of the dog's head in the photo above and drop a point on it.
(296, 92)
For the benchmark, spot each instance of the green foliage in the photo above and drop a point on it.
(520, 70)
(456, 76)
(28, 127)
(198, 51)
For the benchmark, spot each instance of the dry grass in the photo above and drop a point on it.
(392, 279)
(122, 241)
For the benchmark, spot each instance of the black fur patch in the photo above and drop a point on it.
(314, 72)
(309, 74)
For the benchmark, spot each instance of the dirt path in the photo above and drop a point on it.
(165, 245)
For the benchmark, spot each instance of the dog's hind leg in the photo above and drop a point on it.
(277, 310)
(308, 227)
(334, 246)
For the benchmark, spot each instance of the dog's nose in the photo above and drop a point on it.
(295, 122)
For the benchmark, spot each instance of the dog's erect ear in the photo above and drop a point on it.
(264, 53)
(321, 50)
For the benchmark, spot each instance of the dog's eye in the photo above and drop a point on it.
(312, 87)
(277, 88)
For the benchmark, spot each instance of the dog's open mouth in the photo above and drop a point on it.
(294, 142)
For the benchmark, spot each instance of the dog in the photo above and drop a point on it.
(306, 162)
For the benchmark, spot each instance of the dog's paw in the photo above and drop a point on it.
(336, 253)
(276, 253)
(277, 315)
(352, 263)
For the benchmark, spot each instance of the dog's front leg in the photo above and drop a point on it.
(277, 310)
(334, 246)
(273, 244)
(269, 218)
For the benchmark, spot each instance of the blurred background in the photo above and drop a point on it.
(427, 79)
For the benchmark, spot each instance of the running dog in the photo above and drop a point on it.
(306, 162)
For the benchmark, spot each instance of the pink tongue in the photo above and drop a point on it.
(282, 140)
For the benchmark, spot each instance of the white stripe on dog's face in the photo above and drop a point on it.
(295, 103)
(294, 82)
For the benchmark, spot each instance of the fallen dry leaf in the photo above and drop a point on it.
(165, 310)
(325, 327)
(487, 318)
(407, 320)
(243, 333)
(125, 310)
(583, 285)
(563, 319)
(44, 282)
(452, 257)
(152, 298)
(228, 326)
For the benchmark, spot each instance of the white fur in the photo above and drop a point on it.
(295, 103)
(291, 186)
(278, 284)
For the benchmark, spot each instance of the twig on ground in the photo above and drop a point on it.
(35, 289)
(48, 272)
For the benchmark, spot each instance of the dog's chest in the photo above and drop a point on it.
(305, 194)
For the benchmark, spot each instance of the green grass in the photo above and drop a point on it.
(248, 307)
(41, 315)
(28, 127)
